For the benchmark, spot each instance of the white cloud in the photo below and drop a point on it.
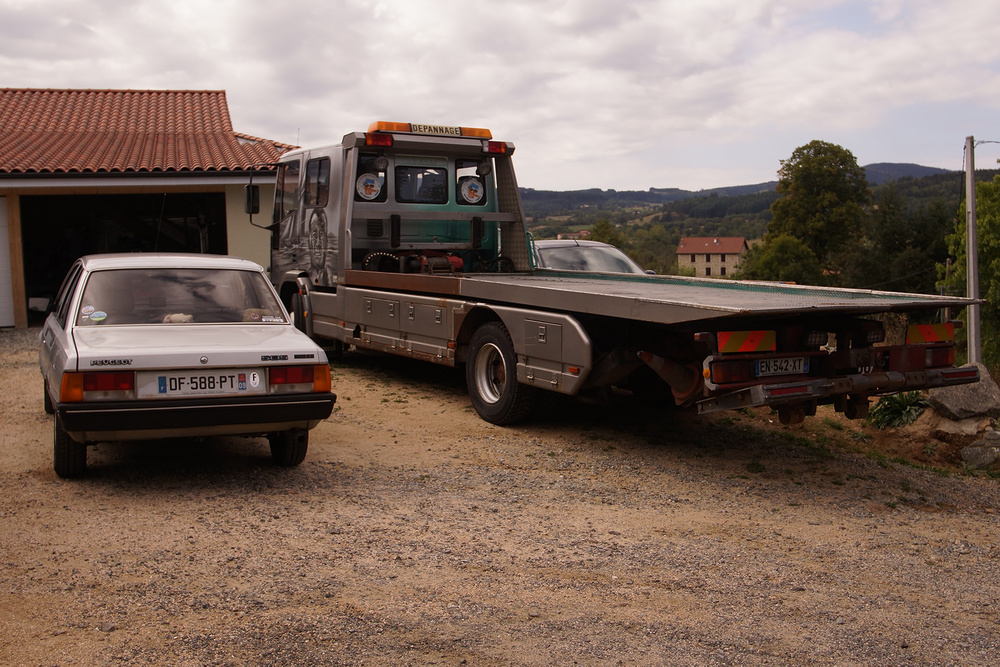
(634, 94)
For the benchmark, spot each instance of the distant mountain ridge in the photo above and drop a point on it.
(543, 201)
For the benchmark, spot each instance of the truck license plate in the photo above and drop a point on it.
(221, 382)
(783, 366)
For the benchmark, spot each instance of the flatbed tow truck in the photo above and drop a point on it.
(411, 240)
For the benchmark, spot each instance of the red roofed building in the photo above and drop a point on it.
(85, 171)
(712, 256)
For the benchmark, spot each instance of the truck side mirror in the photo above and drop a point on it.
(251, 199)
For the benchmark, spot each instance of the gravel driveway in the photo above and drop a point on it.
(415, 533)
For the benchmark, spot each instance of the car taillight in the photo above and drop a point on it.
(111, 386)
(288, 379)
(727, 372)
(938, 357)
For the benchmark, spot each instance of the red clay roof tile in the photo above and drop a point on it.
(729, 245)
(101, 131)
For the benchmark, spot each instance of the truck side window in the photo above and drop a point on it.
(317, 190)
(470, 186)
(422, 185)
(370, 185)
(286, 191)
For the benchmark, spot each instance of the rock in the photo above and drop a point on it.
(968, 400)
(983, 453)
(946, 428)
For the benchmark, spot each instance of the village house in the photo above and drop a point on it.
(714, 257)
(87, 171)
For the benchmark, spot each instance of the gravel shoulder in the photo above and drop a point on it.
(415, 533)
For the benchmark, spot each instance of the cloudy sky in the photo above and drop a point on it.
(626, 94)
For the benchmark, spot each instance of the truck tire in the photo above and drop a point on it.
(491, 377)
(288, 448)
(298, 312)
(69, 457)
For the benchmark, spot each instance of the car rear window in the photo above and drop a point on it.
(587, 258)
(177, 296)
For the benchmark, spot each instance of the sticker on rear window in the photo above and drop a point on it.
(369, 186)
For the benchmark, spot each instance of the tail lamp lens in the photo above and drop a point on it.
(116, 385)
(938, 357)
(300, 378)
(728, 372)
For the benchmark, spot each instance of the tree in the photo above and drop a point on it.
(988, 237)
(605, 232)
(783, 258)
(823, 195)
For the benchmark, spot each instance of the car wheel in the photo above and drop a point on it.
(47, 400)
(491, 377)
(69, 457)
(288, 448)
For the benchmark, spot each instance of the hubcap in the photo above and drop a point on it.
(491, 373)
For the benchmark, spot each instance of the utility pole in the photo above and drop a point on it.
(972, 251)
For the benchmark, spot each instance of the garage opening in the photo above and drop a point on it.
(56, 229)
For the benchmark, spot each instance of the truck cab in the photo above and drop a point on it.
(405, 198)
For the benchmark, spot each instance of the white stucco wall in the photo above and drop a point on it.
(245, 240)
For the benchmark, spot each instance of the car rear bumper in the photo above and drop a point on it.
(139, 420)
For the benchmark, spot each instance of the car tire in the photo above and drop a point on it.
(288, 448)
(491, 377)
(47, 400)
(69, 457)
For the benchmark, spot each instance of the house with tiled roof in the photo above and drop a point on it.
(712, 256)
(85, 171)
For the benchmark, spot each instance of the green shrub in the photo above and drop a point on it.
(897, 410)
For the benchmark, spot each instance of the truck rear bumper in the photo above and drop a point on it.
(825, 388)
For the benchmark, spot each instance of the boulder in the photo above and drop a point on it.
(983, 453)
(966, 401)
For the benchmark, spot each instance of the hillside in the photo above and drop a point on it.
(652, 222)
(542, 203)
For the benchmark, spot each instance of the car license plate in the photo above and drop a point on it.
(783, 366)
(220, 382)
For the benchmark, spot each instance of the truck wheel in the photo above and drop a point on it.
(298, 312)
(491, 377)
(47, 400)
(288, 448)
(69, 457)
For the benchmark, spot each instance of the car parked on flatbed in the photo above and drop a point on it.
(147, 346)
(576, 255)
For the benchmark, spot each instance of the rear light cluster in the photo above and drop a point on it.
(939, 357)
(120, 385)
(729, 372)
(109, 386)
(299, 379)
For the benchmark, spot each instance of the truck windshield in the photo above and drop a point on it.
(422, 185)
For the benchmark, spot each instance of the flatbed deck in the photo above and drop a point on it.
(664, 299)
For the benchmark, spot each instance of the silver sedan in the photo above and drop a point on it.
(149, 346)
(574, 255)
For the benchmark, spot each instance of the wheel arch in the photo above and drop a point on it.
(477, 317)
